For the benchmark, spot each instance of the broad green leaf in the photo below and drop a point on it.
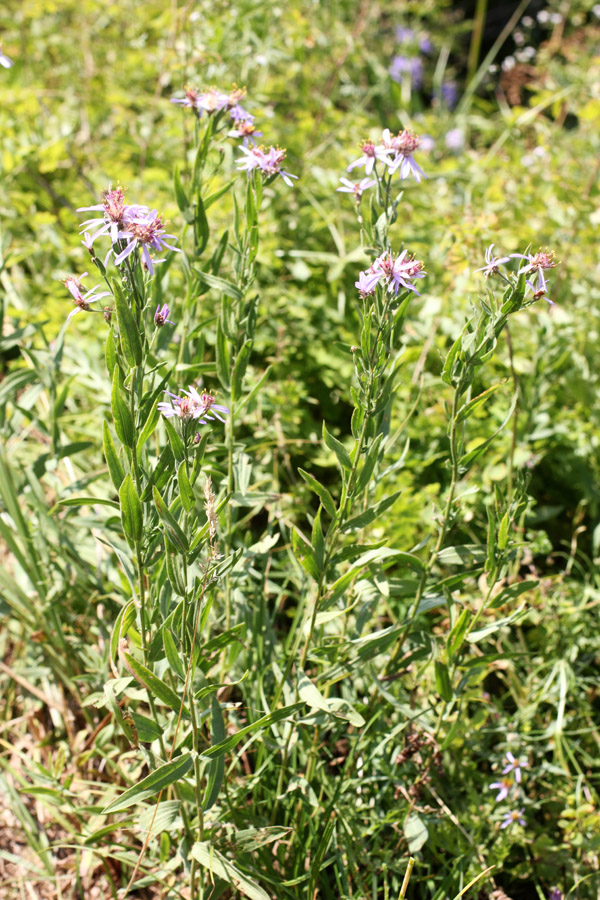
(120, 410)
(304, 554)
(216, 195)
(172, 527)
(468, 408)
(457, 635)
(321, 492)
(172, 654)
(343, 457)
(442, 681)
(167, 774)
(415, 832)
(369, 515)
(186, 492)
(155, 685)
(219, 284)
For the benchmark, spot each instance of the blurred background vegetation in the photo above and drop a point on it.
(508, 97)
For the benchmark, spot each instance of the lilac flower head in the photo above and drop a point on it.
(193, 405)
(356, 187)
(454, 139)
(492, 263)
(407, 65)
(503, 787)
(82, 301)
(538, 262)
(514, 765)
(425, 45)
(191, 99)
(395, 272)
(161, 316)
(403, 145)
(555, 894)
(404, 34)
(449, 92)
(268, 161)
(116, 214)
(512, 818)
(245, 129)
(5, 60)
(371, 153)
(147, 231)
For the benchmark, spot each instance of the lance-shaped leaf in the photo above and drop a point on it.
(115, 469)
(128, 330)
(338, 448)
(131, 510)
(219, 865)
(172, 528)
(121, 414)
(161, 778)
(152, 682)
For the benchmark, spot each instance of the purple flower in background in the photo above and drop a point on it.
(213, 101)
(356, 187)
(246, 130)
(555, 894)
(514, 765)
(268, 161)
(503, 787)
(449, 92)
(427, 143)
(371, 153)
(5, 60)
(537, 262)
(425, 45)
(407, 65)
(191, 99)
(404, 34)
(512, 818)
(161, 316)
(82, 301)
(116, 214)
(492, 263)
(454, 139)
(149, 232)
(403, 145)
(199, 407)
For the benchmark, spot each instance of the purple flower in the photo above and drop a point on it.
(514, 765)
(161, 316)
(116, 214)
(537, 262)
(82, 301)
(268, 161)
(191, 99)
(149, 232)
(199, 407)
(88, 243)
(555, 894)
(403, 145)
(492, 263)
(425, 45)
(454, 139)
(396, 272)
(245, 129)
(371, 153)
(404, 34)
(449, 92)
(367, 282)
(356, 187)
(512, 818)
(5, 60)
(503, 787)
(407, 65)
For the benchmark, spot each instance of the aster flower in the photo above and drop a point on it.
(193, 405)
(503, 787)
(356, 187)
(396, 272)
(449, 92)
(454, 139)
(149, 232)
(514, 765)
(82, 301)
(116, 214)
(492, 263)
(5, 60)
(245, 129)
(268, 161)
(555, 894)
(371, 153)
(367, 282)
(88, 243)
(191, 99)
(512, 818)
(161, 316)
(404, 34)
(537, 262)
(403, 145)
(407, 65)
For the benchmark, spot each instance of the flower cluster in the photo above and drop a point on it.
(395, 272)
(128, 226)
(509, 785)
(535, 264)
(192, 406)
(394, 151)
(266, 160)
